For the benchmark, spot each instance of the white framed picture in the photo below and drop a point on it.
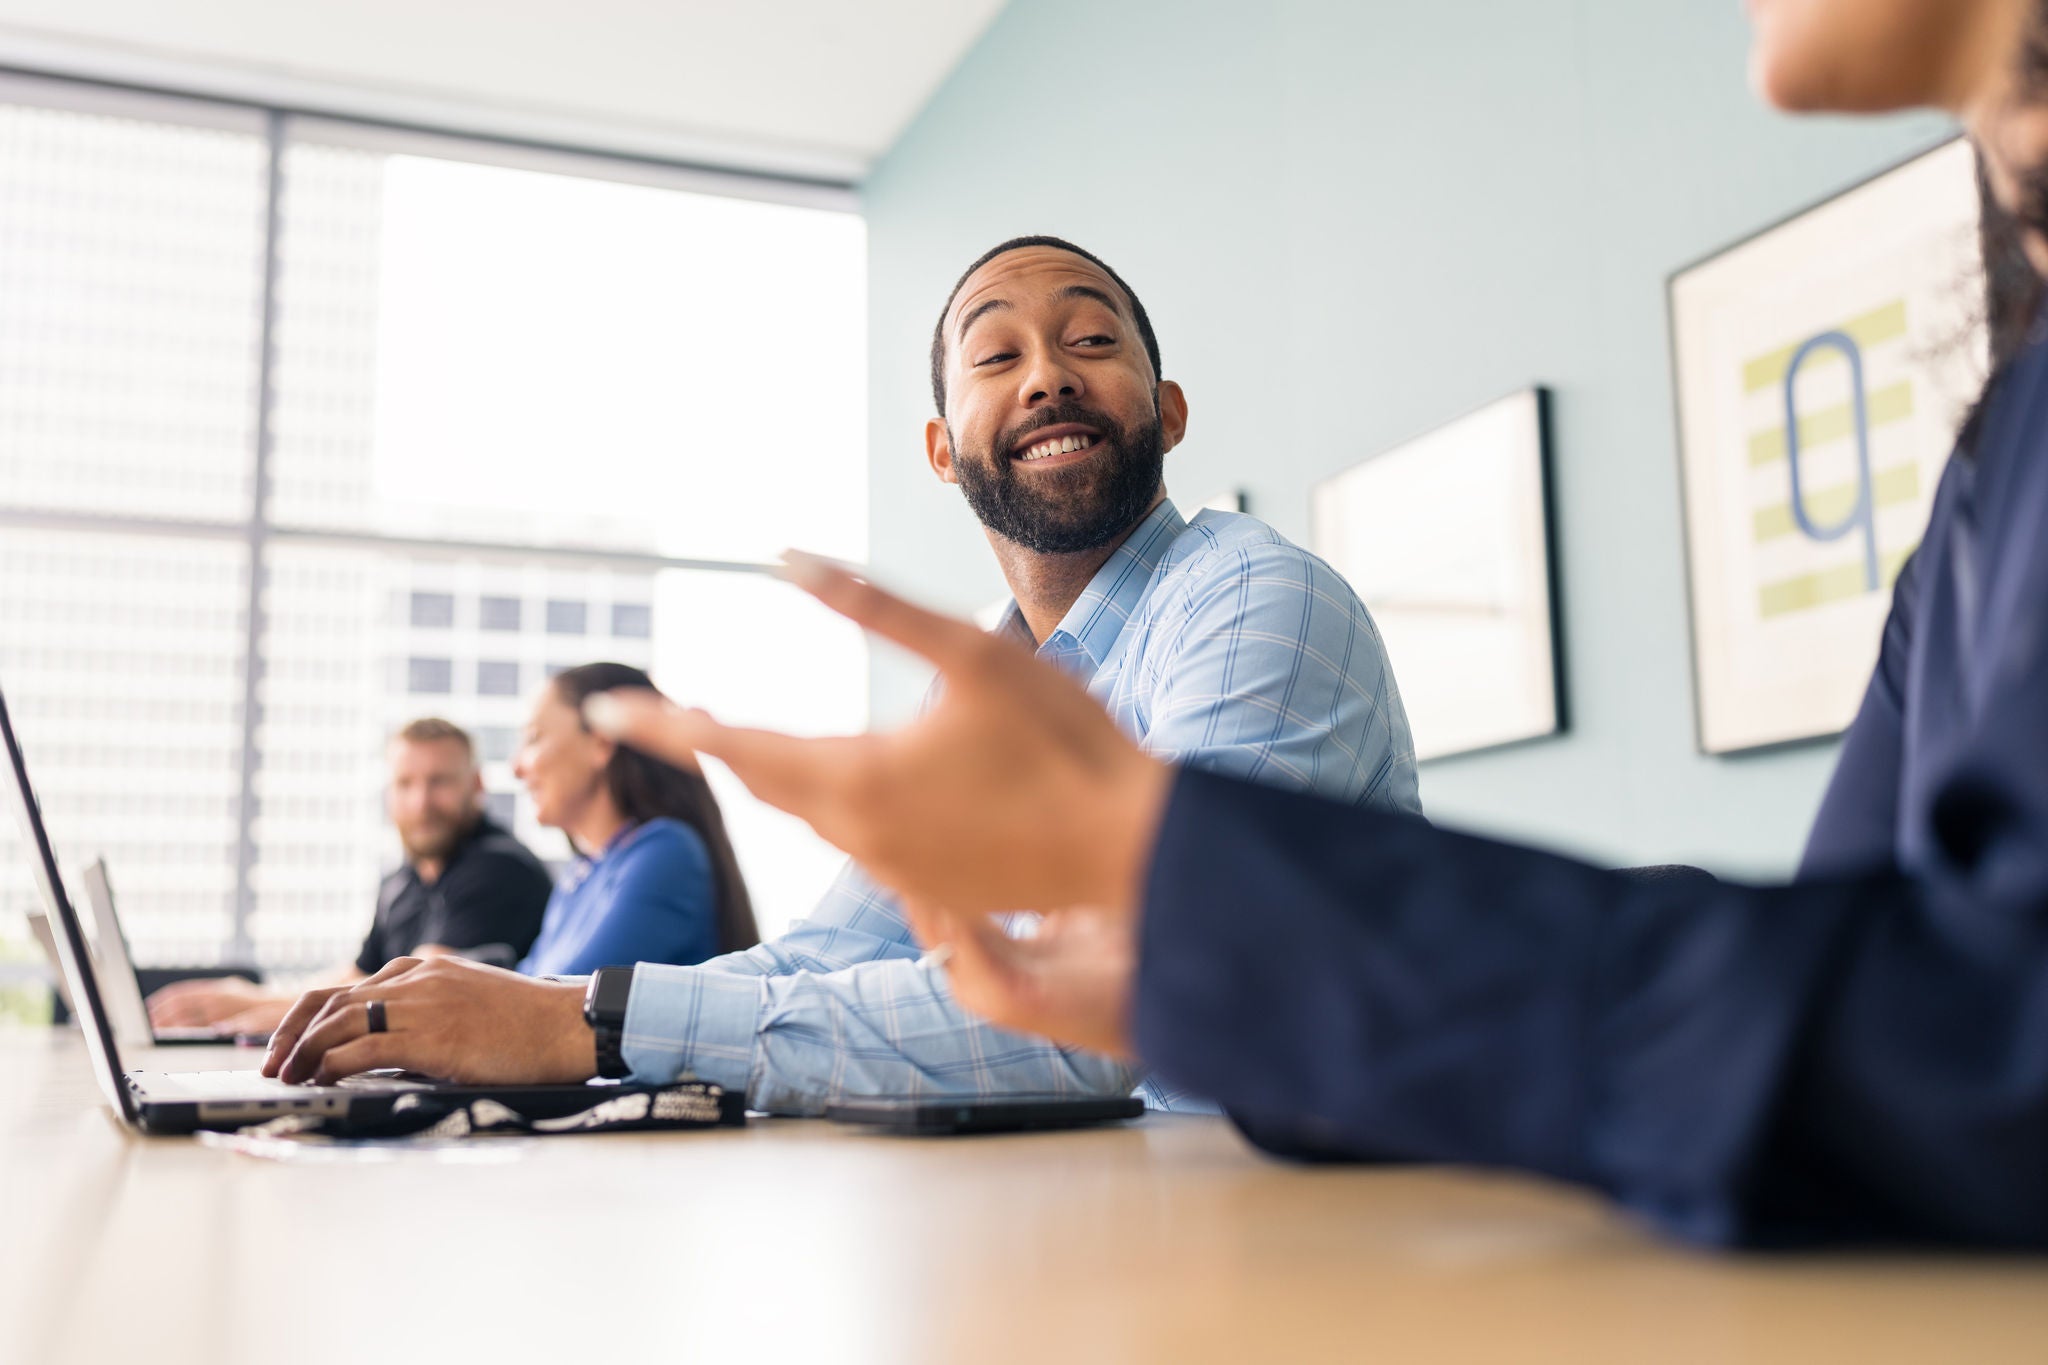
(1446, 539)
(1821, 370)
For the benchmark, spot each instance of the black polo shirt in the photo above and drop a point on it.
(488, 902)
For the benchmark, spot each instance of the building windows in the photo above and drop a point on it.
(429, 677)
(632, 620)
(495, 743)
(497, 678)
(498, 613)
(567, 618)
(433, 610)
(422, 532)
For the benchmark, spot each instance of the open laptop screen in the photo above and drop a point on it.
(72, 956)
(112, 971)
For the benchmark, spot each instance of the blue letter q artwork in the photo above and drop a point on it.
(1864, 513)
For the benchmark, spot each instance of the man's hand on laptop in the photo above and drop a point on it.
(445, 1017)
(201, 1001)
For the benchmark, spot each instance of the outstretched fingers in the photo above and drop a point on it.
(981, 962)
(802, 776)
(947, 642)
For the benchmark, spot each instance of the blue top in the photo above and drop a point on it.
(1860, 1054)
(1216, 643)
(648, 897)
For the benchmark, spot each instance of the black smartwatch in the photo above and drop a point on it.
(604, 1009)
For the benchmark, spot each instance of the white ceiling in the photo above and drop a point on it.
(807, 87)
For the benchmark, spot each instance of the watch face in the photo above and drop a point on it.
(604, 1009)
(610, 988)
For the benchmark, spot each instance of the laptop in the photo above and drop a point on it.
(183, 1103)
(39, 925)
(120, 988)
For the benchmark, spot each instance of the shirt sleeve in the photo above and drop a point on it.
(489, 905)
(1857, 827)
(840, 1006)
(1837, 1059)
(1275, 673)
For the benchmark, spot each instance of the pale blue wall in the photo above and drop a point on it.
(1351, 221)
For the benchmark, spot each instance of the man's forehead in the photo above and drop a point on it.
(1028, 269)
(410, 752)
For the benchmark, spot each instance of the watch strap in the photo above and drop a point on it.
(604, 1009)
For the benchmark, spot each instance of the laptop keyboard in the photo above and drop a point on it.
(240, 1085)
(209, 1085)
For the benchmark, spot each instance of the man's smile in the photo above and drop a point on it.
(1053, 446)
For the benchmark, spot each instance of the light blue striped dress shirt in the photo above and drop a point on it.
(1218, 644)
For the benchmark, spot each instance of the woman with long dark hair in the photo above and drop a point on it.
(655, 878)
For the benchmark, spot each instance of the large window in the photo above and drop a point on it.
(308, 428)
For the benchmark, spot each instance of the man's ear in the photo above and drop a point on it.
(1173, 415)
(938, 448)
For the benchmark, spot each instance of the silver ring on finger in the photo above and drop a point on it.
(373, 1014)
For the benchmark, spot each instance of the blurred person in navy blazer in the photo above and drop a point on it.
(1860, 1054)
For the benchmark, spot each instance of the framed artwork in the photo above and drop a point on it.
(1446, 539)
(1821, 370)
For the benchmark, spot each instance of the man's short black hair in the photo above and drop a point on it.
(1017, 244)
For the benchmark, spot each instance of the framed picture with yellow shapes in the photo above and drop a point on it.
(1821, 370)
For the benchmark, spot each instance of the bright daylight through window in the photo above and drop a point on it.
(524, 409)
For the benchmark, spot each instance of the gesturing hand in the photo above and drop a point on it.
(1070, 982)
(1014, 791)
(445, 1016)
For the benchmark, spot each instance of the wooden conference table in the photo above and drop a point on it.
(795, 1240)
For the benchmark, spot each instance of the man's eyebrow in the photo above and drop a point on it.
(1089, 291)
(986, 306)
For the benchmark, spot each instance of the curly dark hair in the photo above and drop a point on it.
(1138, 314)
(2013, 289)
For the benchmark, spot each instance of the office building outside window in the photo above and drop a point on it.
(498, 613)
(432, 609)
(430, 677)
(497, 678)
(495, 743)
(567, 618)
(632, 620)
(477, 446)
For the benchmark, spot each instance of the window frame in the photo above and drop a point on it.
(282, 126)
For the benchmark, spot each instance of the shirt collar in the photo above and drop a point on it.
(483, 827)
(1099, 615)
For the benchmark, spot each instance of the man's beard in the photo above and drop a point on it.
(1064, 511)
(435, 844)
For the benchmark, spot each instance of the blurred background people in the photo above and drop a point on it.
(655, 878)
(466, 886)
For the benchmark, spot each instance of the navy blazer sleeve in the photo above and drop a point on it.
(1857, 827)
(1865, 1057)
